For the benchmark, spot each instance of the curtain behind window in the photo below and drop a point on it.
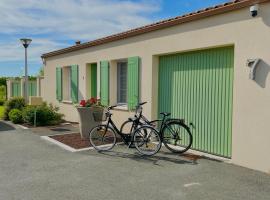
(122, 82)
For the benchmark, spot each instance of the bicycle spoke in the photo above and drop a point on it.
(176, 137)
(147, 140)
(102, 138)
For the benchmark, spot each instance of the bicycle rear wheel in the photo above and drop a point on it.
(177, 137)
(127, 127)
(147, 140)
(102, 139)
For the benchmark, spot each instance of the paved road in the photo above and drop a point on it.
(32, 169)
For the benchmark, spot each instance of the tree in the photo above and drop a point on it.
(3, 81)
(41, 71)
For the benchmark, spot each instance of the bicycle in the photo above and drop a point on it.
(145, 138)
(174, 133)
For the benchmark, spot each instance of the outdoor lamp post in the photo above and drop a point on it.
(25, 42)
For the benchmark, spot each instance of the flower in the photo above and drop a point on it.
(83, 103)
(90, 102)
(93, 100)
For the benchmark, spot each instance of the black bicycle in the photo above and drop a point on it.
(103, 137)
(174, 133)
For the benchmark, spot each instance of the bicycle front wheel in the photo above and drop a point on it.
(102, 139)
(177, 137)
(147, 140)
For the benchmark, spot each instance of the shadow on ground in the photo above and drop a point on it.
(189, 159)
(5, 127)
(55, 130)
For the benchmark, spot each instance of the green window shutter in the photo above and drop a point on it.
(19, 89)
(13, 90)
(59, 83)
(93, 80)
(133, 82)
(16, 89)
(32, 88)
(29, 88)
(104, 83)
(74, 83)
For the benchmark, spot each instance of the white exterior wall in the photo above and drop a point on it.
(251, 100)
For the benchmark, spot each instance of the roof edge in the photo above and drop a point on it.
(207, 12)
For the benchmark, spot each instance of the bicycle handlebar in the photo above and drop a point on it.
(142, 103)
(111, 107)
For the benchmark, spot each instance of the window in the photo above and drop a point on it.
(122, 83)
(66, 83)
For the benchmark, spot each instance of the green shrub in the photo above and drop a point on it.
(2, 102)
(2, 112)
(15, 115)
(45, 115)
(13, 103)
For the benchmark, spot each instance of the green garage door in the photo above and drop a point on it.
(198, 86)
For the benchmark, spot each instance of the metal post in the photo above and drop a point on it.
(26, 79)
(35, 118)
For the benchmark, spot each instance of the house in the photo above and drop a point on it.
(15, 86)
(209, 67)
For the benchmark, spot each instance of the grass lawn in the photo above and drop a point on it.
(1, 111)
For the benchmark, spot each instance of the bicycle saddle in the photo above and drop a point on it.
(132, 119)
(165, 114)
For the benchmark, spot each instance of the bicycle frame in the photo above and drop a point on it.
(164, 122)
(126, 137)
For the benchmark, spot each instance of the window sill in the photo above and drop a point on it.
(122, 107)
(67, 102)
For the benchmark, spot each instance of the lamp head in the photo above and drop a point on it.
(25, 42)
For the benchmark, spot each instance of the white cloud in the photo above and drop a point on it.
(14, 51)
(49, 22)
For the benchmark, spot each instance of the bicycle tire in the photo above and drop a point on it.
(97, 139)
(146, 136)
(171, 143)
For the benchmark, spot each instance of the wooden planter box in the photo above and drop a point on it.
(86, 119)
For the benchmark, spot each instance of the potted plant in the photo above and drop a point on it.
(86, 109)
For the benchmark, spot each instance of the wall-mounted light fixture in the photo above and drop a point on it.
(253, 64)
(254, 10)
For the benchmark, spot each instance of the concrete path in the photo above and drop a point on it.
(32, 169)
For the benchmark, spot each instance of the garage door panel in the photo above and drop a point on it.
(197, 86)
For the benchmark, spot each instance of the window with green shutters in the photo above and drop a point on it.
(128, 93)
(59, 83)
(74, 81)
(67, 82)
(133, 82)
(104, 83)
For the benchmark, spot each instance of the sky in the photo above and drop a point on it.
(56, 24)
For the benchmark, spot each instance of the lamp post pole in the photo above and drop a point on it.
(25, 42)
(25, 77)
